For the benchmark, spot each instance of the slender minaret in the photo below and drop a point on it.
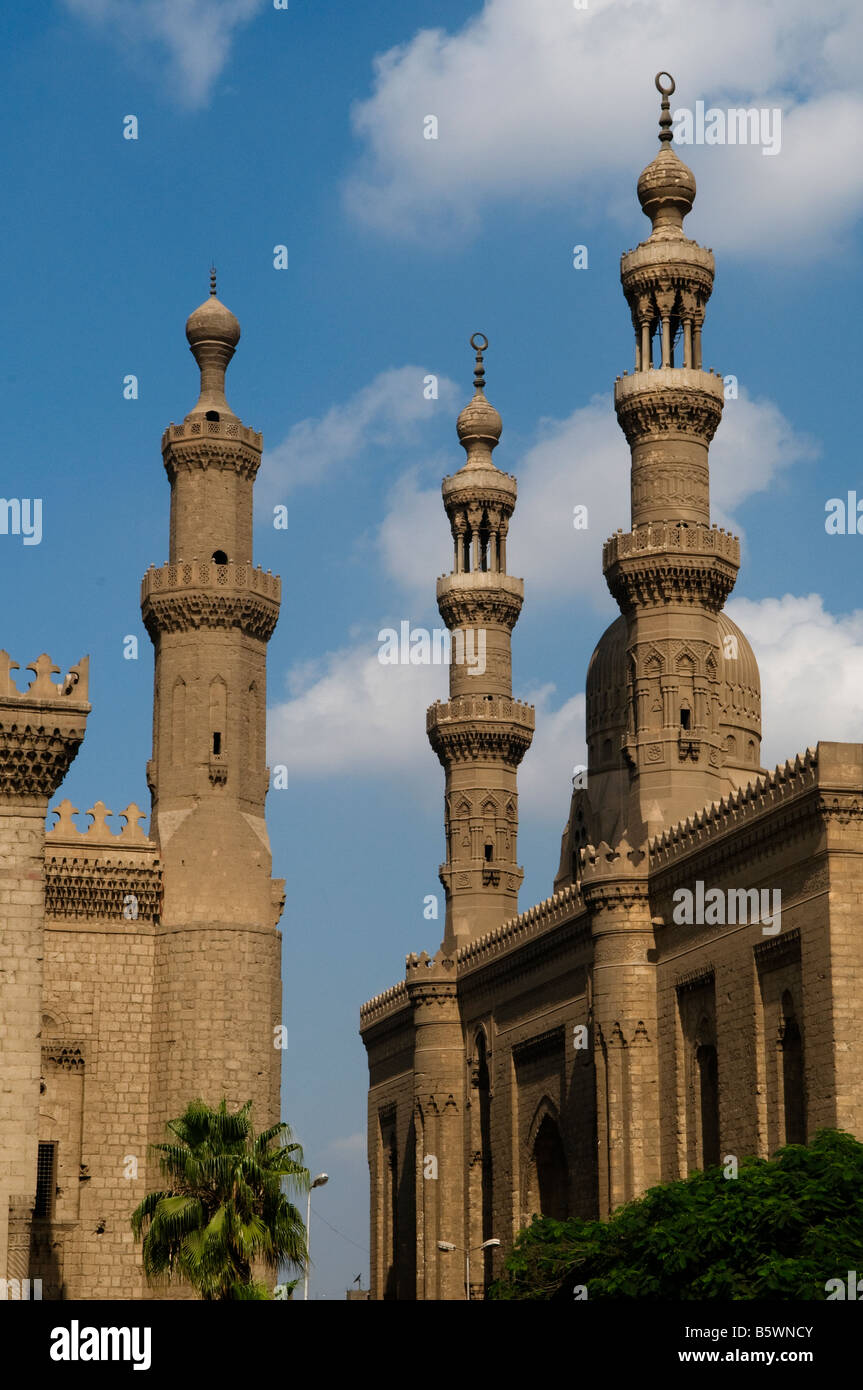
(210, 614)
(482, 733)
(673, 697)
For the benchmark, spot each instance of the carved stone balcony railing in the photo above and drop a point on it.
(200, 593)
(666, 562)
(473, 726)
(678, 379)
(213, 429)
(475, 597)
(667, 536)
(218, 444)
(668, 258)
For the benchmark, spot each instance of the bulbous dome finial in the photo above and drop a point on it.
(479, 425)
(666, 188)
(213, 333)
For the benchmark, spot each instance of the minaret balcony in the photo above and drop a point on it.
(475, 728)
(200, 593)
(662, 537)
(672, 258)
(473, 597)
(671, 562)
(223, 443)
(669, 401)
(202, 428)
(669, 379)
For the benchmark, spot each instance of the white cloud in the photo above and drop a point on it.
(352, 1146)
(196, 34)
(382, 414)
(811, 664)
(584, 460)
(543, 99)
(414, 538)
(349, 714)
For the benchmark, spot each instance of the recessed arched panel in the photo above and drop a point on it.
(218, 716)
(178, 723)
(547, 1171)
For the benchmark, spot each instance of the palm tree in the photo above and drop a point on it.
(225, 1208)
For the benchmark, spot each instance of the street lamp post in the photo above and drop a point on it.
(447, 1246)
(317, 1182)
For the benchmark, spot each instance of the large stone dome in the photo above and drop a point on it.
(740, 722)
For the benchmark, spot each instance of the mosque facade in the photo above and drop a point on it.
(691, 989)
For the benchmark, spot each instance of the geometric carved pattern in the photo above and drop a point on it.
(662, 562)
(34, 758)
(212, 444)
(84, 889)
(473, 608)
(645, 413)
(195, 594)
(670, 579)
(67, 1055)
(464, 729)
(41, 728)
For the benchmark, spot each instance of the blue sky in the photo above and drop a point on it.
(303, 127)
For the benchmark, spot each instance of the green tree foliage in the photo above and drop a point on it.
(224, 1210)
(779, 1230)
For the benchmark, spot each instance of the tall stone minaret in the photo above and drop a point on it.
(673, 695)
(210, 614)
(482, 733)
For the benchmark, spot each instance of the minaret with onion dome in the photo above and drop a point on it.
(481, 733)
(210, 614)
(673, 692)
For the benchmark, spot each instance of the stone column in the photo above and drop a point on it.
(614, 886)
(439, 1070)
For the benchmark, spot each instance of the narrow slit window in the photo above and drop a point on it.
(217, 744)
(684, 718)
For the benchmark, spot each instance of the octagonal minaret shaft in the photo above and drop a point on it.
(661, 747)
(481, 734)
(210, 614)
